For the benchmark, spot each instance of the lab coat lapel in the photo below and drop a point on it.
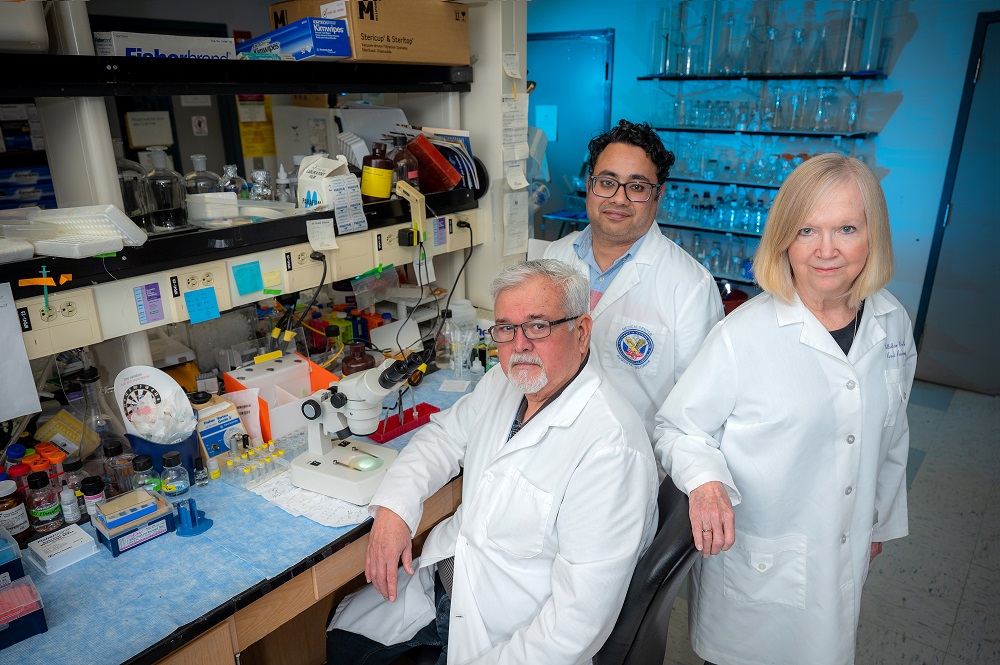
(560, 413)
(628, 276)
(813, 333)
(871, 332)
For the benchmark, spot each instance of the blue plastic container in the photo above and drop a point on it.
(188, 448)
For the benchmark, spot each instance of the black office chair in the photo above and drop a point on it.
(640, 634)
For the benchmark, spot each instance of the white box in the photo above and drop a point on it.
(316, 173)
(143, 45)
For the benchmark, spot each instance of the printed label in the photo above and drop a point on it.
(15, 520)
(376, 182)
(148, 303)
(140, 536)
(4, 580)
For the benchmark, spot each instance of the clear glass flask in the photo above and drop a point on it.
(167, 186)
(101, 425)
(137, 197)
(201, 180)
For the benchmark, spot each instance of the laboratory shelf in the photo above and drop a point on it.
(185, 247)
(89, 76)
(734, 279)
(704, 181)
(708, 229)
(768, 132)
(825, 76)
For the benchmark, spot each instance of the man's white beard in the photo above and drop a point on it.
(521, 378)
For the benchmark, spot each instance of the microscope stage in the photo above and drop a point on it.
(352, 471)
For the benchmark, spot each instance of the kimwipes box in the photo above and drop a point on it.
(426, 32)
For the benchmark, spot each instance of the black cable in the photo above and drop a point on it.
(447, 303)
(315, 256)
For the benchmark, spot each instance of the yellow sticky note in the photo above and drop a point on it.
(272, 278)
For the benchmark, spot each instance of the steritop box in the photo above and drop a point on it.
(401, 31)
(305, 39)
(143, 45)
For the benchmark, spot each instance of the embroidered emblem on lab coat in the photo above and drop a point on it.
(635, 346)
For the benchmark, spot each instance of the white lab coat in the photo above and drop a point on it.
(550, 528)
(812, 448)
(651, 320)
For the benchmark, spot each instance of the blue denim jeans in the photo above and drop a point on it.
(345, 648)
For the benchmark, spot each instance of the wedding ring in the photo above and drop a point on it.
(706, 531)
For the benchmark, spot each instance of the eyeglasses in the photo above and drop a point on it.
(505, 332)
(636, 191)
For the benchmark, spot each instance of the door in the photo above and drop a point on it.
(959, 313)
(571, 101)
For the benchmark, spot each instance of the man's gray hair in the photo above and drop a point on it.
(575, 287)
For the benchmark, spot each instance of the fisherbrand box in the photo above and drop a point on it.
(306, 39)
(143, 45)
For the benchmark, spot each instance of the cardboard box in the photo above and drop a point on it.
(305, 39)
(142, 45)
(283, 385)
(316, 179)
(400, 31)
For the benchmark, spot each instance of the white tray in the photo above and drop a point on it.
(99, 220)
(77, 247)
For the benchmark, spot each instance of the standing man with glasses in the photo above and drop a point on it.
(652, 304)
(558, 502)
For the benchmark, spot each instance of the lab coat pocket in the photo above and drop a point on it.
(637, 347)
(766, 570)
(895, 383)
(517, 519)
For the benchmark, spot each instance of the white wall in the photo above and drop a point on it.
(931, 49)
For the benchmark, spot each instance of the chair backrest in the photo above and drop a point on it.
(640, 634)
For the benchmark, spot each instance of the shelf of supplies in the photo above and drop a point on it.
(708, 229)
(89, 76)
(722, 183)
(827, 76)
(732, 278)
(769, 132)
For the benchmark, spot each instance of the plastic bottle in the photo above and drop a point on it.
(201, 180)
(145, 476)
(167, 187)
(176, 481)
(73, 475)
(293, 176)
(476, 373)
(261, 188)
(18, 474)
(68, 505)
(282, 186)
(200, 472)
(213, 469)
(404, 165)
(13, 513)
(232, 182)
(44, 512)
(13, 455)
(376, 175)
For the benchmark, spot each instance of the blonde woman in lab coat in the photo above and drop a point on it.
(788, 431)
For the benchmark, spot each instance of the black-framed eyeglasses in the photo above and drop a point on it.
(505, 332)
(636, 191)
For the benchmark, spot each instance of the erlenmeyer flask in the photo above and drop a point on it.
(102, 425)
(795, 61)
(819, 59)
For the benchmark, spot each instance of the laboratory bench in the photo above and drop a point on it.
(259, 583)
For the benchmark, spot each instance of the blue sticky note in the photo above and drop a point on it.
(248, 278)
(201, 304)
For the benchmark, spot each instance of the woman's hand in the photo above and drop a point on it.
(713, 523)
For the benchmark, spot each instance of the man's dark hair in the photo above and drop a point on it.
(641, 135)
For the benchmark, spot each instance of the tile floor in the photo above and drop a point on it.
(934, 597)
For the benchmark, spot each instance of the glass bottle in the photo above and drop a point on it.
(137, 196)
(73, 475)
(201, 473)
(232, 182)
(358, 360)
(145, 476)
(92, 488)
(118, 466)
(167, 186)
(282, 186)
(13, 513)
(201, 180)
(376, 175)
(176, 481)
(442, 343)
(261, 188)
(44, 512)
(404, 165)
(100, 422)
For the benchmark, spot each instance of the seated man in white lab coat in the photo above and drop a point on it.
(558, 501)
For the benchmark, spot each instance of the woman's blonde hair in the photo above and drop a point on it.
(798, 197)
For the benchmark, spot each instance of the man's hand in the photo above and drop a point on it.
(713, 523)
(876, 550)
(389, 540)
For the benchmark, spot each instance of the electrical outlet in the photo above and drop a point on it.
(195, 278)
(208, 279)
(192, 281)
(302, 258)
(300, 271)
(389, 240)
(69, 322)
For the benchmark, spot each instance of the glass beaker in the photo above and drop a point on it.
(137, 197)
(689, 60)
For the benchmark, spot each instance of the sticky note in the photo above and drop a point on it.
(201, 304)
(272, 278)
(248, 278)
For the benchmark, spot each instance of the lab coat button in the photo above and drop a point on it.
(848, 491)
(850, 438)
(762, 566)
(843, 538)
(489, 477)
(851, 385)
